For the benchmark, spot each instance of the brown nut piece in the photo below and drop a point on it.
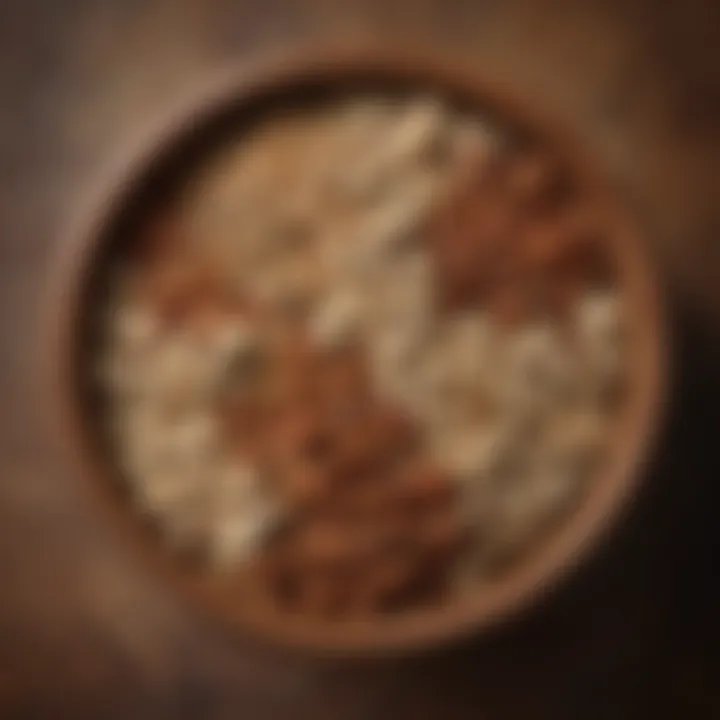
(305, 484)
(299, 432)
(389, 580)
(423, 485)
(534, 181)
(325, 542)
(471, 238)
(343, 373)
(393, 433)
(321, 595)
(512, 303)
(245, 423)
(442, 535)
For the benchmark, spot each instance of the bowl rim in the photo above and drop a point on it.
(240, 86)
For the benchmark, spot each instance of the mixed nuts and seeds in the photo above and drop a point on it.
(370, 355)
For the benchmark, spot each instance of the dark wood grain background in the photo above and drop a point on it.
(85, 631)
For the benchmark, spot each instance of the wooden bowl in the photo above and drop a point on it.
(236, 97)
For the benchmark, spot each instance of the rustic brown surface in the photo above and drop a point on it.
(86, 632)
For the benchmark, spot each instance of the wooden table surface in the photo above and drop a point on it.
(86, 631)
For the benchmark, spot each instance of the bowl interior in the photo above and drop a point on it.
(151, 178)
